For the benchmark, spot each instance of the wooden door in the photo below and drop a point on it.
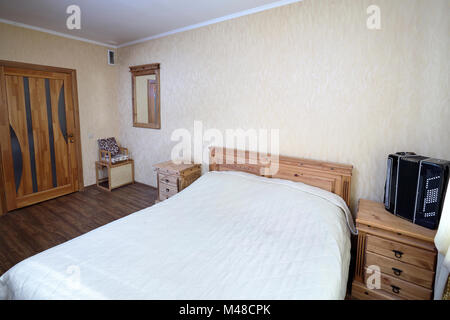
(39, 152)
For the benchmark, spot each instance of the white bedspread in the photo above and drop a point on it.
(228, 236)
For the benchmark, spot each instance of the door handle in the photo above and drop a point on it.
(71, 137)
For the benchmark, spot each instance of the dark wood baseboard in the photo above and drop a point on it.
(135, 182)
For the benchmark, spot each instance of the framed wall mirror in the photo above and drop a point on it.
(146, 96)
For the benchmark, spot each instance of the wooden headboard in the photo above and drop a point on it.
(333, 177)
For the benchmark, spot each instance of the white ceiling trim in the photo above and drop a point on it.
(213, 21)
(56, 33)
(190, 27)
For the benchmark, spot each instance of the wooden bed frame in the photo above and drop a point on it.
(333, 177)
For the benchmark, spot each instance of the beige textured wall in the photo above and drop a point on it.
(97, 81)
(336, 90)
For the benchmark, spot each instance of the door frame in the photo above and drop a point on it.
(4, 117)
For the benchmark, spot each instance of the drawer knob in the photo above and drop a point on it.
(167, 190)
(166, 180)
(395, 289)
(397, 272)
(398, 254)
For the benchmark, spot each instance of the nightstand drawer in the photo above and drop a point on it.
(168, 179)
(361, 292)
(401, 252)
(164, 194)
(400, 288)
(401, 270)
(168, 188)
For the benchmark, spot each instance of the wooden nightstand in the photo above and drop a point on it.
(403, 251)
(172, 178)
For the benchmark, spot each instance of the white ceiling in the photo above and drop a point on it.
(122, 22)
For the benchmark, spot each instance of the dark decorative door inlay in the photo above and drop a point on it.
(26, 90)
(17, 157)
(51, 138)
(62, 113)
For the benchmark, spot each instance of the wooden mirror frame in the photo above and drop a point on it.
(142, 70)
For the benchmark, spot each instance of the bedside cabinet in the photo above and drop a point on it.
(172, 178)
(403, 252)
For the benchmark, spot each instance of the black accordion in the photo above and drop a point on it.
(415, 187)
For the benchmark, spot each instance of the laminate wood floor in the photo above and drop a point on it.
(28, 231)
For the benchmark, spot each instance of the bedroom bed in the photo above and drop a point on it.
(235, 233)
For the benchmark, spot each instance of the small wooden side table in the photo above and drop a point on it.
(401, 253)
(110, 176)
(172, 178)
